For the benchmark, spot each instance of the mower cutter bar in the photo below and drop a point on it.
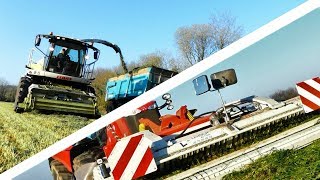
(181, 156)
(64, 106)
(294, 138)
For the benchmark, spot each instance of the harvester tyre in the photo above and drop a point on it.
(87, 157)
(21, 93)
(59, 171)
(97, 114)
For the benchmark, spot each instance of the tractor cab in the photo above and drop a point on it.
(65, 56)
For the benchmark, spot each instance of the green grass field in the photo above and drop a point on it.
(23, 135)
(286, 164)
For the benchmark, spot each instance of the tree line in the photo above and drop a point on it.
(194, 43)
(7, 91)
(284, 94)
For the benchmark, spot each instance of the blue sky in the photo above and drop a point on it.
(138, 27)
(148, 26)
(279, 61)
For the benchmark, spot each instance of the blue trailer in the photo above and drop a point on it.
(124, 88)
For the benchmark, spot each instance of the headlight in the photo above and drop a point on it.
(170, 107)
(153, 106)
(166, 96)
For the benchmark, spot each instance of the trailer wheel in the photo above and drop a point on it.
(87, 157)
(59, 172)
(110, 106)
(21, 93)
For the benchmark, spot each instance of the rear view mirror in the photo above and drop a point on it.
(37, 41)
(201, 84)
(224, 78)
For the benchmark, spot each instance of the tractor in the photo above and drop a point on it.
(79, 160)
(120, 89)
(61, 80)
(147, 142)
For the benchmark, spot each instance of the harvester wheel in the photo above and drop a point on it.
(59, 172)
(21, 93)
(87, 157)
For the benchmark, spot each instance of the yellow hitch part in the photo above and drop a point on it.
(190, 116)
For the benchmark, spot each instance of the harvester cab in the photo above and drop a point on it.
(61, 80)
(65, 56)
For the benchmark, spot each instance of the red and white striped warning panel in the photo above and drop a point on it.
(131, 158)
(309, 92)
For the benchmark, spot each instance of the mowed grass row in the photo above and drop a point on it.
(23, 135)
(285, 164)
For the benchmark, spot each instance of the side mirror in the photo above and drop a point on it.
(224, 78)
(37, 41)
(201, 84)
(96, 55)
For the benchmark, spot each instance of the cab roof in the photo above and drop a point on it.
(67, 39)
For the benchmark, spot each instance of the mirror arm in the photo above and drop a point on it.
(162, 106)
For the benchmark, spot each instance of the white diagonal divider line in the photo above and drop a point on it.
(166, 86)
(313, 84)
(308, 95)
(135, 160)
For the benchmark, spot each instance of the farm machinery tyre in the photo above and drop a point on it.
(21, 93)
(59, 171)
(87, 157)
(110, 106)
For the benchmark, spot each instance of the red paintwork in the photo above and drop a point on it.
(115, 131)
(165, 131)
(64, 158)
(120, 128)
(146, 106)
(171, 124)
(64, 78)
